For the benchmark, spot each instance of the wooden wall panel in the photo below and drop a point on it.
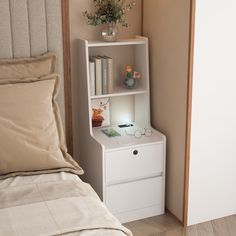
(166, 23)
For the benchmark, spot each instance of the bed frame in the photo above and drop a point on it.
(33, 27)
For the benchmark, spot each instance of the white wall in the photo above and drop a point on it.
(212, 192)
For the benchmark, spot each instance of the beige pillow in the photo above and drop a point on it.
(27, 67)
(31, 134)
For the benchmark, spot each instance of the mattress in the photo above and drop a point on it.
(54, 204)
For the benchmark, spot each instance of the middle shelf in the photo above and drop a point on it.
(120, 92)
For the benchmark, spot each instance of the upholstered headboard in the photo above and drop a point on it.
(33, 27)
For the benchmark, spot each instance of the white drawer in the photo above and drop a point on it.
(134, 195)
(131, 164)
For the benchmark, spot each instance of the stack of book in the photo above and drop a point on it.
(101, 75)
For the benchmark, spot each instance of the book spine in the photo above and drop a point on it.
(110, 75)
(98, 76)
(104, 76)
(92, 77)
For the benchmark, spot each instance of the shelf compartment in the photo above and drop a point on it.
(120, 92)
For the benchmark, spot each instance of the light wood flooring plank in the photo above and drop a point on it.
(231, 224)
(205, 229)
(176, 232)
(220, 227)
(168, 225)
(140, 228)
(191, 231)
(164, 222)
(154, 226)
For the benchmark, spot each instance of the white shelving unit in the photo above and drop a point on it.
(128, 173)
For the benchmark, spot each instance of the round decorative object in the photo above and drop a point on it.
(110, 32)
(129, 82)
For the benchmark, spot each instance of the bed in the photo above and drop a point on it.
(53, 204)
(41, 192)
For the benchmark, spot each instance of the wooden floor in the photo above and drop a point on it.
(167, 225)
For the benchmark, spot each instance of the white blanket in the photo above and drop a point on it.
(54, 204)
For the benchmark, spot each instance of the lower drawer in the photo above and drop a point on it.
(134, 195)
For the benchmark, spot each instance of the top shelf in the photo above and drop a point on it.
(121, 42)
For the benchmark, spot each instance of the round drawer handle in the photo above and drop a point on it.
(135, 152)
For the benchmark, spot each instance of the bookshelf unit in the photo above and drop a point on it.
(128, 173)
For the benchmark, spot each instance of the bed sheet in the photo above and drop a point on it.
(54, 204)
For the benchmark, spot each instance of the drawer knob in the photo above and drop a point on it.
(135, 152)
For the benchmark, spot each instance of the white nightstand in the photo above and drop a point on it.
(128, 173)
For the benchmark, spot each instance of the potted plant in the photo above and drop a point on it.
(109, 13)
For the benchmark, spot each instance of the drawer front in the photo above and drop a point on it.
(134, 195)
(134, 163)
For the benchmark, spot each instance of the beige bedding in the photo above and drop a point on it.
(30, 121)
(54, 204)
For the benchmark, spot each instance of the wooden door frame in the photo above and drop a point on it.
(189, 110)
(67, 74)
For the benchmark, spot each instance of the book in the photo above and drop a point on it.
(104, 75)
(92, 78)
(110, 75)
(110, 132)
(98, 74)
(100, 112)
